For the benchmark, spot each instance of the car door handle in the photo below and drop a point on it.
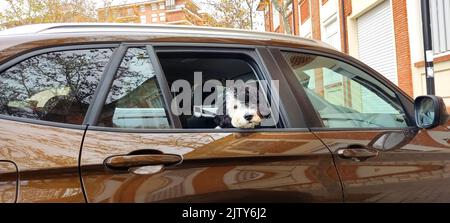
(357, 152)
(123, 162)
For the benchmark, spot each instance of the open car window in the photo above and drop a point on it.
(344, 96)
(208, 74)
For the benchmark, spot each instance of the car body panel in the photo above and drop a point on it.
(217, 167)
(8, 181)
(47, 159)
(412, 165)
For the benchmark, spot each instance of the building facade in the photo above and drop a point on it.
(179, 12)
(385, 34)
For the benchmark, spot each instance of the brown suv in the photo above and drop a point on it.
(86, 115)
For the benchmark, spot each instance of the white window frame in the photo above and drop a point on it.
(154, 18)
(332, 20)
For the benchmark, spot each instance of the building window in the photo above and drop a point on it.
(304, 21)
(162, 17)
(170, 3)
(130, 11)
(142, 7)
(143, 19)
(161, 6)
(154, 17)
(440, 25)
(304, 11)
(154, 7)
(331, 28)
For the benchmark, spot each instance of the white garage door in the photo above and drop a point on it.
(376, 40)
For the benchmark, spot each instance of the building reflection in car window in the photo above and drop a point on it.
(135, 100)
(55, 86)
(344, 96)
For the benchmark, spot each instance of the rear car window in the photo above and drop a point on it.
(135, 99)
(54, 86)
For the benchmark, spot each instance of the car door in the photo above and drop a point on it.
(369, 127)
(44, 96)
(8, 182)
(137, 150)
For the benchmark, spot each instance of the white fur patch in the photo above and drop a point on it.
(237, 110)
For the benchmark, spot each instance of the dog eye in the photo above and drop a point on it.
(235, 106)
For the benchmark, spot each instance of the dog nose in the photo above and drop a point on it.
(248, 117)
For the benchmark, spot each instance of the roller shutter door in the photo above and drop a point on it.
(376, 40)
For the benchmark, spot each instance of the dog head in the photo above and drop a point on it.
(242, 106)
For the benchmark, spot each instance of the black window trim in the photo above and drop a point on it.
(291, 111)
(36, 52)
(201, 48)
(403, 99)
(164, 87)
(101, 93)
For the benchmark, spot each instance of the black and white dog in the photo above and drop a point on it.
(241, 108)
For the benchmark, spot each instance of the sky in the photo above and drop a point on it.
(259, 25)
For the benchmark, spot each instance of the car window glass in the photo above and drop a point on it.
(344, 96)
(55, 86)
(135, 100)
(217, 69)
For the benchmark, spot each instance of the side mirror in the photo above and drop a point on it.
(430, 111)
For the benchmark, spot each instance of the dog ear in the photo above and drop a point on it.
(223, 121)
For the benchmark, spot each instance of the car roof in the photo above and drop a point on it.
(52, 29)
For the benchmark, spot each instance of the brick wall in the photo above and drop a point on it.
(175, 16)
(315, 19)
(347, 11)
(404, 72)
(295, 15)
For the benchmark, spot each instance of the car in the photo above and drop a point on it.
(87, 115)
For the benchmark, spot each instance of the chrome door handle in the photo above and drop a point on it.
(124, 162)
(357, 152)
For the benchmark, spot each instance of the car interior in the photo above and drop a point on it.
(213, 66)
